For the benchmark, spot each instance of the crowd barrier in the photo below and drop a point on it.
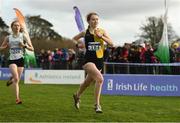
(141, 79)
(141, 68)
(119, 78)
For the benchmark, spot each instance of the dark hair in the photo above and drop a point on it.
(88, 17)
(13, 23)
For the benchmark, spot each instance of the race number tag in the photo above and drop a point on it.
(15, 50)
(94, 46)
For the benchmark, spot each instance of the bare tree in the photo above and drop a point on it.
(152, 31)
(40, 28)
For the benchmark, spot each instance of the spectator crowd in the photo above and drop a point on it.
(129, 53)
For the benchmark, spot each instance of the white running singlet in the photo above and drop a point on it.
(15, 51)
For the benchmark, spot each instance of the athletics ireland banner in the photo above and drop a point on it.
(141, 85)
(54, 76)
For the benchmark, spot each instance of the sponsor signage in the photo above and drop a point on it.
(141, 85)
(54, 76)
(5, 74)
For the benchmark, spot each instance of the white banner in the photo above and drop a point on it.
(54, 76)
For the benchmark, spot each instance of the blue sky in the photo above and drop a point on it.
(120, 18)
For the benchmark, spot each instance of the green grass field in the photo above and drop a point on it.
(44, 103)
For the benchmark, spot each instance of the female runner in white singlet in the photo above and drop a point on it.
(16, 45)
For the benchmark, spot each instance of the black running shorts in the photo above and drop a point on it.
(18, 62)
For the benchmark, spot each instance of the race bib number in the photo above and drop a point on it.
(15, 50)
(94, 46)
